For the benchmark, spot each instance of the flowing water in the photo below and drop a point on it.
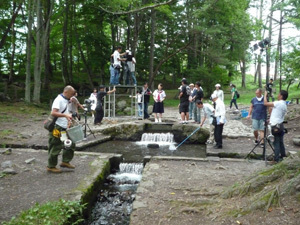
(114, 204)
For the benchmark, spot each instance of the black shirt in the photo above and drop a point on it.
(147, 93)
(199, 95)
(184, 97)
(269, 87)
(100, 96)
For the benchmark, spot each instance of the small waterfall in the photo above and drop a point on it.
(135, 168)
(159, 138)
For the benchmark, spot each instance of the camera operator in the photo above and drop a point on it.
(60, 110)
(269, 89)
(258, 111)
(276, 121)
(99, 108)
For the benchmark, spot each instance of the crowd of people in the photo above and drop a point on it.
(191, 106)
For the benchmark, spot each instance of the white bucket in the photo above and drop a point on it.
(75, 133)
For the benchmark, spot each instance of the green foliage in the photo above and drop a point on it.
(51, 213)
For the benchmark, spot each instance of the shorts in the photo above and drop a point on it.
(184, 107)
(258, 124)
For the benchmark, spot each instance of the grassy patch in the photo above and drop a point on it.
(5, 133)
(51, 213)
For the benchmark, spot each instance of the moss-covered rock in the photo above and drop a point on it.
(127, 131)
(181, 131)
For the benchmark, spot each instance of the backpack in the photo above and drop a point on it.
(188, 90)
(237, 94)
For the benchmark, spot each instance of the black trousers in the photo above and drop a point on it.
(99, 114)
(218, 134)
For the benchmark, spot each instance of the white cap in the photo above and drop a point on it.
(191, 84)
(213, 96)
(218, 85)
(127, 51)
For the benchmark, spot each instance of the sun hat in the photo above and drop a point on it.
(218, 85)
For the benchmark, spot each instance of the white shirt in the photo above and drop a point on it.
(61, 104)
(93, 98)
(278, 112)
(220, 111)
(220, 94)
(157, 93)
(208, 111)
(116, 57)
(139, 98)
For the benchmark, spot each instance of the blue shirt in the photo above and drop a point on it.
(259, 111)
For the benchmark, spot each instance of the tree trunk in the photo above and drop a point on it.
(65, 73)
(280, 49)
(259, 56)
(41, 42)
(243, 70)
(268, 51)
(12, 21)
(38, 56)
(48, 67)
(13, 48)
(28, 53)
(152, 47)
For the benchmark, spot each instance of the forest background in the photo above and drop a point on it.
(47, 44)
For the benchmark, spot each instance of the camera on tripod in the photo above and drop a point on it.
(88, 104)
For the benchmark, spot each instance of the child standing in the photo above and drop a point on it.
(139, 101)
(159, 96)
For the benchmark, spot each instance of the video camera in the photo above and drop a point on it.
(88, 104)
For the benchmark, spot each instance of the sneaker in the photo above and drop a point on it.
(159, 120)
(67, 165)
(262, 145)
(256, 142)
(53, 170)
(156, 120)
(186, 122)
(217, 147)
(181, 122)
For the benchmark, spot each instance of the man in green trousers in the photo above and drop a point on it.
(60, 110)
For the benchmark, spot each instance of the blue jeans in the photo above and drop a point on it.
(191, 109)
(112, 74)
(116, 76)
(197, 114)
(279, 148)
(146, 115)
(140, 108)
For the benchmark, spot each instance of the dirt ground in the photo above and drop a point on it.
(186, 192)
(189, 179)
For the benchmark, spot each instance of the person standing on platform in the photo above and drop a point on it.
(100, 100)
(159, 96)
(131, 68)
(117, 64)
(146, 92)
